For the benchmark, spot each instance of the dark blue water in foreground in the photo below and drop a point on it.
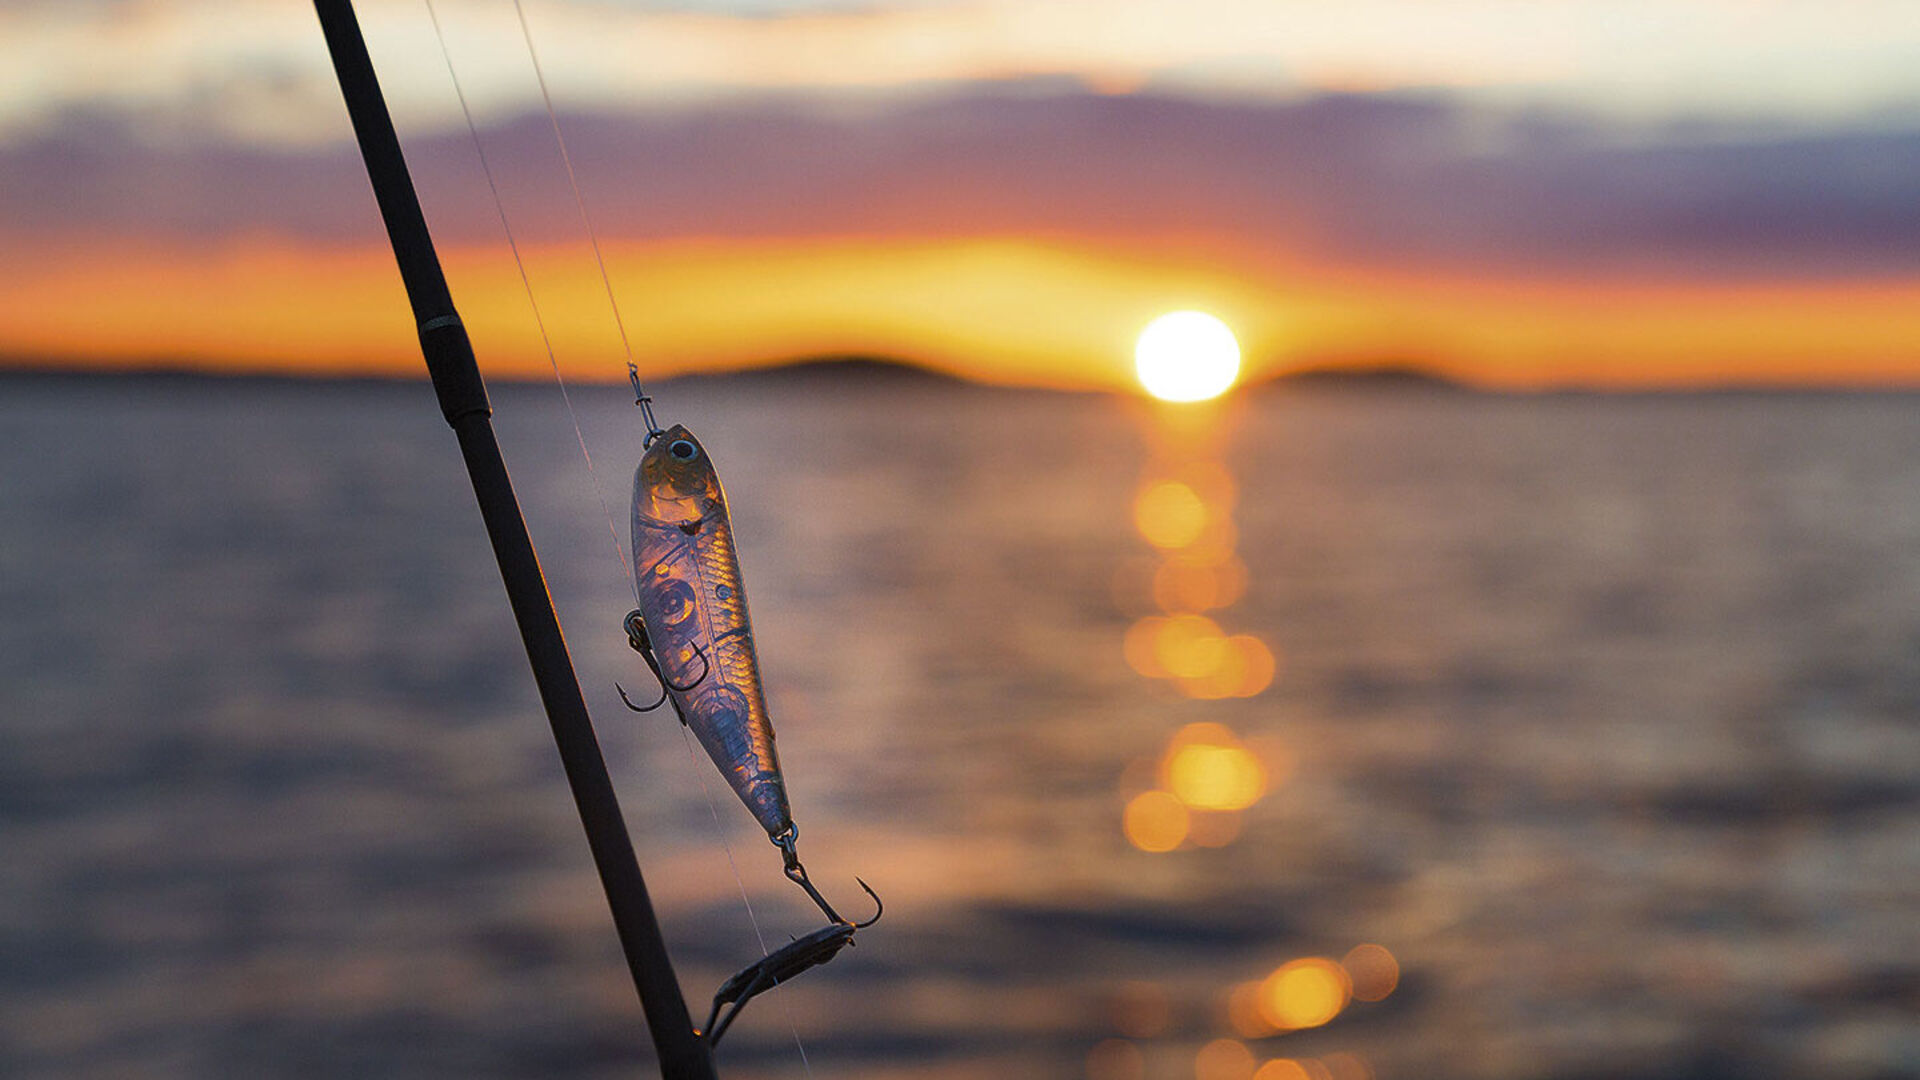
(1605, 716)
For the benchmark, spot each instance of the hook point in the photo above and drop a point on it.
(639, 708)
(879, 908)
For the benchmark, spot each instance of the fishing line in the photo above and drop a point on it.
(719, 830)
(526, 282)
(641, 398)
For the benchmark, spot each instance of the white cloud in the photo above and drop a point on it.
(259, 69)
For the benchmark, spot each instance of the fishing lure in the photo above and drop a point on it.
(693, 631)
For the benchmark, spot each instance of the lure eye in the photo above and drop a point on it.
(683, 450)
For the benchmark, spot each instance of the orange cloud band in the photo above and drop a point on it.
(1047, 312)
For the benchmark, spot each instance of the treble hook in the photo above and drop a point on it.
(787, 842)
(636, 626)
(640, 708)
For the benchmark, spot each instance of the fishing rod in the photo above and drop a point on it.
(684, 1054)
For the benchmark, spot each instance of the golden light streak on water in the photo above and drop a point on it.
(1189, 646)
(1373, 971)
(1246, 668)
(1222, 681)
(1224, 1059)
(1116, 1059)
(1184, 510)
(1304, 993)
(1169, 514)
(1208, 768)
(1216, 776)
(1155, 821)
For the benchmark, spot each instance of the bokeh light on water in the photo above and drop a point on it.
(1304, 994)
(1372, 971)
(1208, 768)
(1156, 821)
(1205, 776)
(1170, 514)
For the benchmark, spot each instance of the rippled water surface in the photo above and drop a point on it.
(1598, 713)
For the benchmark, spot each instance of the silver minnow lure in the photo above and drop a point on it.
(693, 631)
(694, 607)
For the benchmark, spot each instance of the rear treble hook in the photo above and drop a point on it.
(636, 626)
(787, 842)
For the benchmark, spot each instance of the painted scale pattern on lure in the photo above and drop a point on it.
(695, 607)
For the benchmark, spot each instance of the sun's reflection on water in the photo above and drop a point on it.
(1206, 775)
(1183, 509)
(1195, 793)
(1304, 993)
(1208, 768)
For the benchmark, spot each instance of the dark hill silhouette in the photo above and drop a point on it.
(840, 368)
(1396, 377)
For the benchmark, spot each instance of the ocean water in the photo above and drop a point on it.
(1602, 714)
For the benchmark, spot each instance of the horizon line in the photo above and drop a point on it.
(1396, 375)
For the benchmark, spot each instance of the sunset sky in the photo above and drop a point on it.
(1520, 193)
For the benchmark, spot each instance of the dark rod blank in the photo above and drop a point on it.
(684, 1055)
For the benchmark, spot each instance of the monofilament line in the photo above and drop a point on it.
(720, 832)
(526, 282)
(586, 222)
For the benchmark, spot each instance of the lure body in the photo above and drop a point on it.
(695, 608)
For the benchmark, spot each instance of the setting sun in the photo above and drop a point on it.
(1186, 356)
